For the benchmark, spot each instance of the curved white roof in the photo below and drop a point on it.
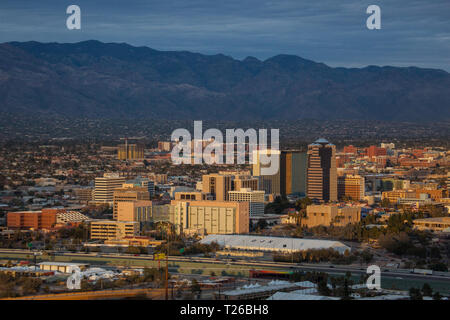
(297, 296)
(261, 243)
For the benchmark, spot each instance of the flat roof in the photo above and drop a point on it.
(438, 219)
(62, 264)
(298, 296)
(262, 243)
(256, 288)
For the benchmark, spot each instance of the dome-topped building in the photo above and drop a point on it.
(321, 141)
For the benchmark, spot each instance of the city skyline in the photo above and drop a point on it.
(247, 152)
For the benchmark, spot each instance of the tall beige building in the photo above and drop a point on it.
(211, 217)
(218, 185)
(128, 195)
(255, 199)
(322, 172)
(104, 187)
(142, 211)
(269, 183)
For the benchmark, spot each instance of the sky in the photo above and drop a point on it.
(413, 33)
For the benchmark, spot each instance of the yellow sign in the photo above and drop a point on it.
(159, 256)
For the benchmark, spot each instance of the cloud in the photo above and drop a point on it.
(413, 32)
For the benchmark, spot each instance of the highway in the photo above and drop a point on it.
(249, 264)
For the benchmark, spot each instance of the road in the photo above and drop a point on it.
(248, 264)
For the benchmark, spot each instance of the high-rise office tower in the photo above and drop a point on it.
(322, 173)
(130, 151)
(293, 172)
(247, 182)
(351, 186)
(255, 198)
(217, 185)
(104, 187)
(269, 183)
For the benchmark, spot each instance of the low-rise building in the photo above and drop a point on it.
(394, 196)
(110, 229)
(43, 219)
(70, 217)
(136, 241)
(272, 244)
(434, 224)
(331, 214)
(63, 267)
(84, 194)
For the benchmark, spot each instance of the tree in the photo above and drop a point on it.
(262, 224)
(415, 294)
(366, 256)
(195, 287)
(322, 286)
(346, 289)
(385, 203)
(133, 250)
(31, 285)
(303, 203)
(437, 296)
(397, 244)
(438, 266)
(426, 290)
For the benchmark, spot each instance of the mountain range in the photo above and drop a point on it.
(116, 80)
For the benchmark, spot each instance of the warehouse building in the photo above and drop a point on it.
(63, 267)
(274, 244)
(257, 291)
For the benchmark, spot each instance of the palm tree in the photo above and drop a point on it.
(300, 215)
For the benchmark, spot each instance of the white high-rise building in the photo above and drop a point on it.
(104, 187)
(255, 198)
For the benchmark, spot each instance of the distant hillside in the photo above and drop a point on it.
(94, 79)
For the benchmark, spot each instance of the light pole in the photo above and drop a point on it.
(292, 250)
(167, 264)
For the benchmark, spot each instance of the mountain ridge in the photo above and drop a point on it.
(96, 79)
